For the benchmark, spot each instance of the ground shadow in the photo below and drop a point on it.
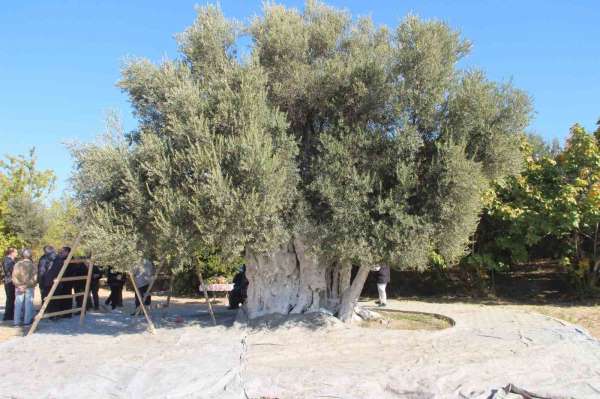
(278, 321)
(121, 321)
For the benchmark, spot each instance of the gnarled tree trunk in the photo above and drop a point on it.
(292, 280)
(288, 280)
(338, 280)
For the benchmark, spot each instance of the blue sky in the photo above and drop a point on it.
(60, 60)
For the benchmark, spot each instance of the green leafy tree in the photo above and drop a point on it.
(555, 204)
(23, 190)
(62, 218)
(333, 143)
(540, 148)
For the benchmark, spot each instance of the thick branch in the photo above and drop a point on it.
(351, 295)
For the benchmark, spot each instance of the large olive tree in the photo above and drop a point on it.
(332, 142)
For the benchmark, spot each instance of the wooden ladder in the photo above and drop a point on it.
(88, 280)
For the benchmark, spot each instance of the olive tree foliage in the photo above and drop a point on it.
(397, 143)
(211, 164)
(361, 143)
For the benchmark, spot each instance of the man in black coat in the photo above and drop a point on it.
(382, 279)
(64, 288)
(95, 286)
(8, 265)
(44, 266)
(78, 268)
(116, 281)
(239, 294)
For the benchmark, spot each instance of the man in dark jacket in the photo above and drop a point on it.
(95, 286)
(44, 265)
(116, 281)
(64, 288)
(382, 279)
(78, 268)
(8, 265)
(239, 294)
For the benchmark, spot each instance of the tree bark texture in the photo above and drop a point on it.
(338, 281)
(288, 280)
(352, 293)
(291, 280)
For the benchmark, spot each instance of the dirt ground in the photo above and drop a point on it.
(8, 331)
(114, 356)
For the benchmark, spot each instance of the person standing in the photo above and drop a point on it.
(382, 279)
(63, 288)
(95, 285)
(78, 268)
(239, 294)
(115, 281)
(142, 275)
(44, 265)
(24, 278)
(7, 265)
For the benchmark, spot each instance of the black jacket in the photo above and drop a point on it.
(115, 279)
(44, 265)
(96, 273)
(52, 272)
(78, 269)
(7, 267)
(383, 275)
(240, 283)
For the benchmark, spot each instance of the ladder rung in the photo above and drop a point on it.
(75, 278)
(75, 310)
(75, 295)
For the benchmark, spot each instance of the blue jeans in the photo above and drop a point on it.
(24, 304)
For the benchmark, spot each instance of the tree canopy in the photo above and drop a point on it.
(368, 142)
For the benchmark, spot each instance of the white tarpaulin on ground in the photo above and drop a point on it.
(490, 347)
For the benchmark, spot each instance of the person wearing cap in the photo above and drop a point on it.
(24, 278)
